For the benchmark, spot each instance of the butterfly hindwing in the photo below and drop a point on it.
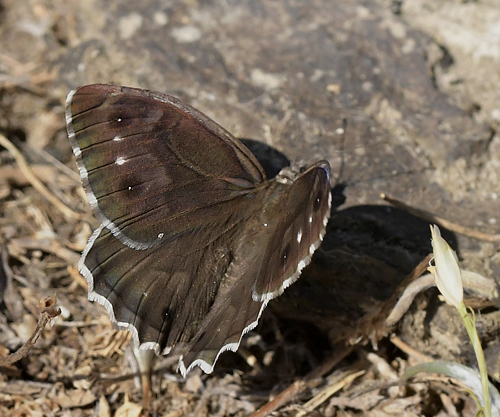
(173, 298)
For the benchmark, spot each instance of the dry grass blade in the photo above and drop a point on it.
(396, 341)
(35, 182)
(328, 392)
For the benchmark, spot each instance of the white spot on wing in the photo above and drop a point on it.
(302, 263)
(120, 160)
(117, 138)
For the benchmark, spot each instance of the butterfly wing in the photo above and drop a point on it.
(277, 242)
(304, 205)
(154, 168)
(184, 258)
(200, 302)
(161, 294)
(173, 301)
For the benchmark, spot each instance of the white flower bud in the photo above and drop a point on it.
(446, 270)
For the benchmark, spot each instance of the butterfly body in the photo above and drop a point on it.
(194, 239)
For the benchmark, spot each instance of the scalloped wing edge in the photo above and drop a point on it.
(94, 296)
(207, 367)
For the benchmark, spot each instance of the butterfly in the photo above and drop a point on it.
(194, 240)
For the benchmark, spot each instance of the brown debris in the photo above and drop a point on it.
(48, 312)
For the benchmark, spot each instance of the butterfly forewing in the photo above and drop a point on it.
(194, 240)
(152, 167)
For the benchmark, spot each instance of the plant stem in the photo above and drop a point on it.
(469, 323)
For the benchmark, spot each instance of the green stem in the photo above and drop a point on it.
(476, 344)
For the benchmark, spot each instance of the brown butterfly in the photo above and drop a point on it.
(194, 240)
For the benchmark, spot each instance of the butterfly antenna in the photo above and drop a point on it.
(342, 131)
(338, 197)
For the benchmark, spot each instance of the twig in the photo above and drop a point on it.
(326, 393)
(299, 386)
(47, 245)
(410, 351)
(47, 313)
(281, 399)
(485, 287)
(431, 218)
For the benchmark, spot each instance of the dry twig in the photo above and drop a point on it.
(47, 313)
(299, 386)
(431, 218)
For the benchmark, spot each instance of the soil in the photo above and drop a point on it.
(401, 97)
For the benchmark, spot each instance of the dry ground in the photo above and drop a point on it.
(417, 83)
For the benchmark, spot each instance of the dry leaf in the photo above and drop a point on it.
(128, 409)
(74, 398)
(104, 410)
